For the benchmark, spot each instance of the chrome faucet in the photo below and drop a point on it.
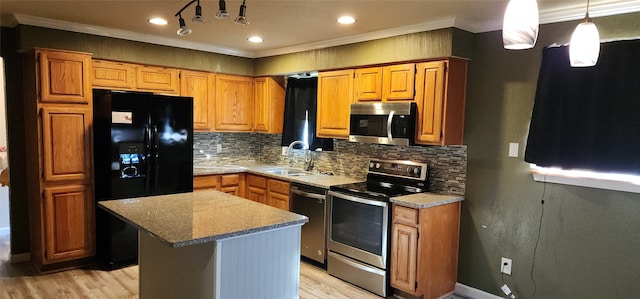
(308, 157)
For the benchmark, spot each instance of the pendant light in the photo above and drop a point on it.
(520, 26)
(184, 30)
(242, 17)
(197, 18)
(584, 47)
(222, 12)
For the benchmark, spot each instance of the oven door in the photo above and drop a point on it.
(358, 228)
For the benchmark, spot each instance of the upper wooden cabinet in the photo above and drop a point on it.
(234, 103)
(440, 97)
(200, 86)
(113, 75)
(157, 79)
(128, 76)
(335, 95)
(269, 105)
(64, 77)
(389, 83)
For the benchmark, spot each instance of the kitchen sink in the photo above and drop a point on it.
(287, 172)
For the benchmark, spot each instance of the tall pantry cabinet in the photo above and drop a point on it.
(58, 120)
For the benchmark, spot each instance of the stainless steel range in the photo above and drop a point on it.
(358, 235)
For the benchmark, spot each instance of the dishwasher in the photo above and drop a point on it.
(311, 202)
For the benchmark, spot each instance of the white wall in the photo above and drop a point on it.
(4, 191)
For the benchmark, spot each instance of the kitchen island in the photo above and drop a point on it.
(213, 245)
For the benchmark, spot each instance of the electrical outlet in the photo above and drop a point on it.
(505, 266)
(284, 150)
(219, 148)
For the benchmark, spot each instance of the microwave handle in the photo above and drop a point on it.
(389, 121)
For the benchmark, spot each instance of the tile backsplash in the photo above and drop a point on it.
(447, 164)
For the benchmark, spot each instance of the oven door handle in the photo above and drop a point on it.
(307, 194)
(358, 199)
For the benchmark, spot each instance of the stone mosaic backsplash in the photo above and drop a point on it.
(447, 164)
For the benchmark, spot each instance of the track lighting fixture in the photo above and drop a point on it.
(520, 26)
(221, 14)
(242, 17)
(584, 47)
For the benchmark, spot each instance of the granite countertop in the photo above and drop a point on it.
(425, 200)
(185, 219)
(310, 178)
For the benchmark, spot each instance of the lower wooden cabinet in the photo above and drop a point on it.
(268, 191)
(68, 223)
(424, 249)
(228, 183)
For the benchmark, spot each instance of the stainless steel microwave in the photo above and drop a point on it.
(383, 123)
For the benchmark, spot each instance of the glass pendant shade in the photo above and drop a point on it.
(222, 13)
(242, 19)
(184, 30)
(520, 26)
(584, 47)
(198, 17)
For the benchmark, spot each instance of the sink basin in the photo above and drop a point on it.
(287, 172)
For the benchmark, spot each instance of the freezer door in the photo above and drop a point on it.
(172, 144)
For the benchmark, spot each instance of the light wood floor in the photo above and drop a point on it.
(19, 281)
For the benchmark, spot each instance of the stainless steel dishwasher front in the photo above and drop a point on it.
(311, 202)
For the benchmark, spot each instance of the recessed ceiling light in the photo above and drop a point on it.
(346, 20)
(255, 39)
(158, 21)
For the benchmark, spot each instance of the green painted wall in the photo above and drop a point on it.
(590, 240)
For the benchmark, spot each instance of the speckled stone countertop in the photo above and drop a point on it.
(197, 217)
(311, 178)
(425, 200)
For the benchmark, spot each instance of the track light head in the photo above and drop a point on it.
(222, 12)
(184, 30)
(198, 17)
(242, 17)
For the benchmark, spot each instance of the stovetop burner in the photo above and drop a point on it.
(386, 179)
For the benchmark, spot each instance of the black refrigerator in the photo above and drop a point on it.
(143, 145)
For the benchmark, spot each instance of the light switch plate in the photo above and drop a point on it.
(219, 148)
(513, 149)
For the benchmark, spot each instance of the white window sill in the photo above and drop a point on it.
(625, 183)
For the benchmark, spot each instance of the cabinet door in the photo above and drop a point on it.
(430, 100)
(111, 74)
(335, 95)
(66, 143)
(399, 81)
(68, 223)
(268, 105)
(278, 195)
(157, 79)
(368, 84)
(233, 184)
(64, 77)
(404, 257)
(256, 188)
(233, 103)
(200, 86)
(206, 182)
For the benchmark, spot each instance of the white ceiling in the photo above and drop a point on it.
(285, 25)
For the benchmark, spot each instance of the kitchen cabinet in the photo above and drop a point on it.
(233, 183)
(424, 249)
(268, 191)
(388, 83)
(278, 194)
(440, 98)
(129, 76)
(59, 151)
(335, 95)
(113, 75)
(233, 103)
(200, 86)
(268, 105)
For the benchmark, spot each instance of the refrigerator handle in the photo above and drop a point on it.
(156, 146)
(147, 144)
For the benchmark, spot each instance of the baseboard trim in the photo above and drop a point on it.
(20, 257)
(471, 292)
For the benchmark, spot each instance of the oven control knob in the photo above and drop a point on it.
(371, 165)
(377, 165)
(416, 170)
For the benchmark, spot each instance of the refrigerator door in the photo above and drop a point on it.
(172, 144)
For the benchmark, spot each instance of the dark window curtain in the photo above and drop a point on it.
(301, 95)
(588, 118)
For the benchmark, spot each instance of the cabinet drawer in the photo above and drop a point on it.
(205, 182)
(229, 180)
(257, 181)
(405, 215)
(278, 186)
